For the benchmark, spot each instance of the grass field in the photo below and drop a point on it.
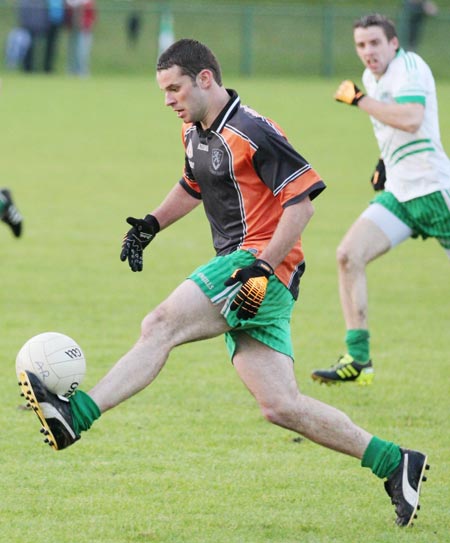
(190, 459)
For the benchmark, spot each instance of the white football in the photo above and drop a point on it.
(56, 359)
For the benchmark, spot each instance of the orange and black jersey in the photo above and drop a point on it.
(246, 173)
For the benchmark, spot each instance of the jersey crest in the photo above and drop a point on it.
(216, 158)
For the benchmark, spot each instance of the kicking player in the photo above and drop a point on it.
(402, 104)
(257, 192)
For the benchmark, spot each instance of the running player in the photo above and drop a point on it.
(402, 104)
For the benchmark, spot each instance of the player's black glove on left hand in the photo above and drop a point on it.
(254, 279)
(378, 178)
(136, 240)
(348, 93)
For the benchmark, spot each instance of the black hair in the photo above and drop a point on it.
(376, 19)
(192, 57)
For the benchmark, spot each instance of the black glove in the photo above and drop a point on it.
(378, 178)
(136, 240)
(254, 279)
(348, 93)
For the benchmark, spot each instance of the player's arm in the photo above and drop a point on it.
(177, 204)
(255, 278)
(293, 221)
(406, 116)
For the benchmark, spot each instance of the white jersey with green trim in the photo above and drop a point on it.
(416, 163)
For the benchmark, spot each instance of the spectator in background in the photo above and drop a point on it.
(412, 18)
(81, 16)
(133, 27)
(55, 21)
(33, 18)
(134, 22)
(17, 44)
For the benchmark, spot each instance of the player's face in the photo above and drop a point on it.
(374, 49)
(183, 95)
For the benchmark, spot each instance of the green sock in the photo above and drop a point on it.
(357, 341)
(84, 411)
(382, 457)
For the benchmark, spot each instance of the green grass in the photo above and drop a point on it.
(190, 459)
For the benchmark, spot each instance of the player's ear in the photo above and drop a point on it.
(204, 79)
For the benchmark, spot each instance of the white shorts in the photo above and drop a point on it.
(396, 230)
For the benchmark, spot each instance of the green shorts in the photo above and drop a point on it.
(427, 216)
(270, 326)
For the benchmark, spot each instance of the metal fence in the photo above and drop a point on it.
(249, 39)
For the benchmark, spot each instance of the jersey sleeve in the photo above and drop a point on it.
(409, 87)
(284, 171)
(188, 181)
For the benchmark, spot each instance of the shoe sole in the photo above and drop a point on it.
(28, 393)
(366, 380)
(422, 479)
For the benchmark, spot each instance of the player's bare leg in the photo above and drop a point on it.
(186, 315)
(363, 242)
(269, 375)
(270, 378)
